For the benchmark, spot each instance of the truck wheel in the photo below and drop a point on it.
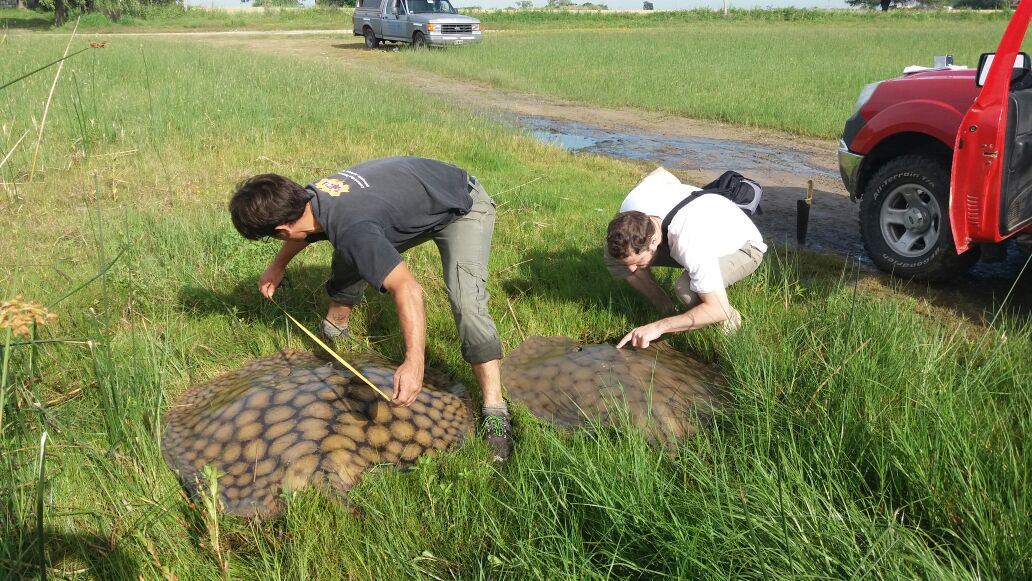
(905, 222)
(370, 38)
(418, 40)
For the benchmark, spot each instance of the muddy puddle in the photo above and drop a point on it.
(695, 153)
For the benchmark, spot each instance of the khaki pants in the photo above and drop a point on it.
(465, 246)
(733, 268)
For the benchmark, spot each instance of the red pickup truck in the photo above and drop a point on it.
(941, 161)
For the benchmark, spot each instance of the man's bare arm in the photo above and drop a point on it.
(270, 279)
(642, 281)
(713, 308)
(408, 299)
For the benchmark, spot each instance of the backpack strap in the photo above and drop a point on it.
(670, 215)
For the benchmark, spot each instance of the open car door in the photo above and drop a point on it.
(991, 181)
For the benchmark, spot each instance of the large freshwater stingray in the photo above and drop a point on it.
(569, 384)
(292, 420)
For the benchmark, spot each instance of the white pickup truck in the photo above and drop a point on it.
(420, 22)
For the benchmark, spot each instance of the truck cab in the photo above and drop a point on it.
(419, 22)
(940, 160)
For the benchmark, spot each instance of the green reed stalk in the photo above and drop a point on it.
(3, 377)
(41, 539)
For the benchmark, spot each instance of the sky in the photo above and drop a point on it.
(669, 4)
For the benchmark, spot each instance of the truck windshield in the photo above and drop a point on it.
(430, 7)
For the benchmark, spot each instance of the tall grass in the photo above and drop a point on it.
(864, 439)
(801, 77)
(512, 19)
(175, 17)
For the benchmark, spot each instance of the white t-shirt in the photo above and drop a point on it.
(657, 194)
(709, 227)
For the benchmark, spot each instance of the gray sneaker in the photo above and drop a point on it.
(332, 332)
(498, 435)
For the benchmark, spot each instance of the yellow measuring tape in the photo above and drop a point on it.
(332, 352)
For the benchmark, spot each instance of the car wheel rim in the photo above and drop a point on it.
(910, 220)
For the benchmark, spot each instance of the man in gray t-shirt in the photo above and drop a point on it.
(371, 213)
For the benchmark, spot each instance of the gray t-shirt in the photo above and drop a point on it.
(372, 211)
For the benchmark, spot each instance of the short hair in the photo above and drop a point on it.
(265, 201)
(629, 233)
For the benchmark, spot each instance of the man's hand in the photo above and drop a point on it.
(273, 274)
(269, 280)
(408, 381)
(642, 336)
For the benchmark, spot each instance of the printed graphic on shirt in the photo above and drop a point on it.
(332, 187)
(354, 177)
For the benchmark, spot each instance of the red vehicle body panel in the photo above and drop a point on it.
(893, 110)
(979, 146)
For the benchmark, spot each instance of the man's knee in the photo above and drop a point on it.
(740, 264)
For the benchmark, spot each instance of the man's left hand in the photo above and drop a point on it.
(641, 336)
(408, 381)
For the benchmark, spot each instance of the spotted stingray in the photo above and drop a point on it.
(569, 384)
(291, 421)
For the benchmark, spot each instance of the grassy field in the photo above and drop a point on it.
(865, 439)
(793, 70)
(794, 76)
(175, 18)
(169, 18)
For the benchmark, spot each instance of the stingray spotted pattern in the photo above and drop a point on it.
(292, 420)
(665, 391)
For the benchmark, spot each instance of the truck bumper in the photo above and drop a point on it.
(849, 166)
(450, 39)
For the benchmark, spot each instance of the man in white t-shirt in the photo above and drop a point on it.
(711, 238)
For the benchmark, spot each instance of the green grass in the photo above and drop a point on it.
(512, 19)
(794, 70)
(169, 18)
(12, 18)
(799, 77)
(864, 440)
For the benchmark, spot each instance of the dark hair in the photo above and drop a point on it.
(265, 201)
(629, 233)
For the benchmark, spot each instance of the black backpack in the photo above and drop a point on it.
(744, 192)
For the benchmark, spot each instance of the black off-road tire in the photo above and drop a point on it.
(419, 40)
(905, 221)
(371, 41)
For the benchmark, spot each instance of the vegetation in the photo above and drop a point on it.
(784, 75)
(933, 4)
(865, 438)
(327, 16)
(170, 17)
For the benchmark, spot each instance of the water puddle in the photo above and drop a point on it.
(696, 153)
